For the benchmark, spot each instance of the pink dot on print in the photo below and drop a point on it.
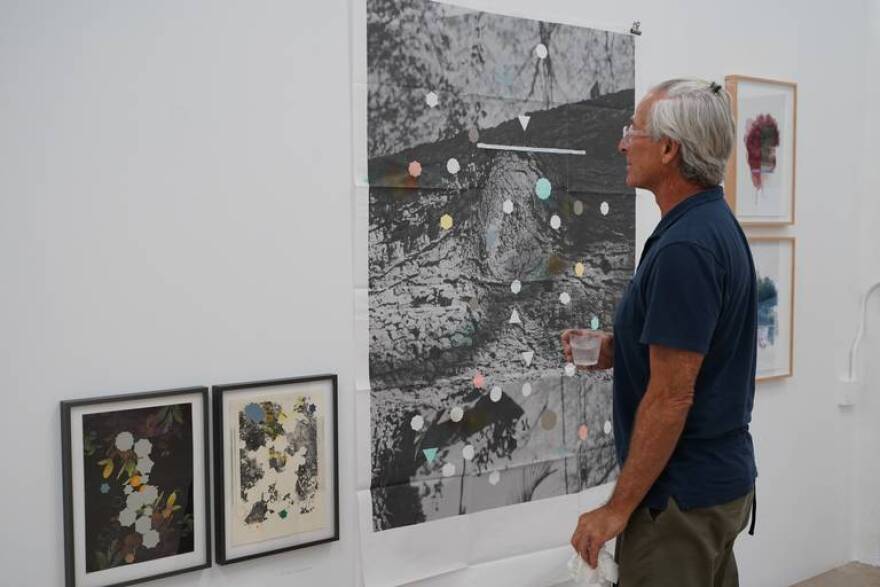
(583, 431)
(415, 168)
(479, 380)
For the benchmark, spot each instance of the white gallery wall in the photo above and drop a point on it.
(176, 209)
(867, 442)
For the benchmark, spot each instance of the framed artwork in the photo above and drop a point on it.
(774, 264)
(135, 486)
(760, 180)
(275, 466)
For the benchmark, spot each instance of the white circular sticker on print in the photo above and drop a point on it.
(555, 222)
(607, 427)
(467, 452)
(495, 394)
(541, 51)
(516, 286)
(604, 208)
(570, 369)
(452, 166)
(507, 207)
(564, 298)
(527, 389)
(416, 423)
(448, 470)
(494, 478)
(431, 99)
(456, 414)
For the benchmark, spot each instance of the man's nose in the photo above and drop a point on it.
(622, 146)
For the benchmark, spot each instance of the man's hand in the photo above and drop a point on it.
(594, 529)
(606, 349)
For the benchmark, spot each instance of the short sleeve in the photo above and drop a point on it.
(683, 297)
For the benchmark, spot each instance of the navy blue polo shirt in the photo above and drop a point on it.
(694, 290)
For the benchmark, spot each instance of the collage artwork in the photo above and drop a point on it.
(498, 217)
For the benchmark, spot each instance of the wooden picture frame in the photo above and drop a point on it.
(136, 477)
(760, 180)
(775, 261)
(276, 466)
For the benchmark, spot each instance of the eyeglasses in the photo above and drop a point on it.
(629, 133)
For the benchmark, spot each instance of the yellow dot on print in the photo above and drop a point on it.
(446, 222)
(579, 269)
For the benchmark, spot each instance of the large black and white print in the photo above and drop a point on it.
(498, 216)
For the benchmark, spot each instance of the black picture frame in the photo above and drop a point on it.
(71, 409)
(222, 393)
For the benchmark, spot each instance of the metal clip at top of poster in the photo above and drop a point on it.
(498, 216)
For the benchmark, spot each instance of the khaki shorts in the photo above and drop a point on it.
(675, 548)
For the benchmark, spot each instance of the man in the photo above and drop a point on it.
(683, 353)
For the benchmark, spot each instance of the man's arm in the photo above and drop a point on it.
(659, 423)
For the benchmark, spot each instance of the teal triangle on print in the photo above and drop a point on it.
(430, 454)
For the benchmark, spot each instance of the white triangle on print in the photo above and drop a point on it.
(527, 357)
(524, 121)
(514, 318)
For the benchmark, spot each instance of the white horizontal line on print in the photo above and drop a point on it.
(531, 149)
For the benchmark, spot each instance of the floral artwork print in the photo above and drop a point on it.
(762, 139)
(138, 477)
(768, 301)
(279, 490)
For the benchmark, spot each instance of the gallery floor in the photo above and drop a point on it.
(850, 575)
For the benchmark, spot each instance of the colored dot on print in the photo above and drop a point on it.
(415, 168)
(494, 478)
(543, 188)
(507, 207)
(570, 369)
(479, 380)
(564, 298)
(579, 269)
(495, 394)
(555, 222)
(254, 413)
(516, 286)
(105, 488)
(467, 452)
(446, 222)
(541, 51)
(448, 470)
(527, 389)
(431, 99)
(416, 423)
(452, 166)
(583, 432)
(594, 323)
(282, 514)
(578, 207)
(473, 135)
(548, 420)
(456, 414)
(604, 208)
(607, 427)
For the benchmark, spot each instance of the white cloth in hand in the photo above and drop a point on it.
(604, 575)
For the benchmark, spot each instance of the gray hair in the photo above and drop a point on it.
(696, 114)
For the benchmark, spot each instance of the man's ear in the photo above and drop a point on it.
(670, 150)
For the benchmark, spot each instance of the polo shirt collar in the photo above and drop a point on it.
(682, 208)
